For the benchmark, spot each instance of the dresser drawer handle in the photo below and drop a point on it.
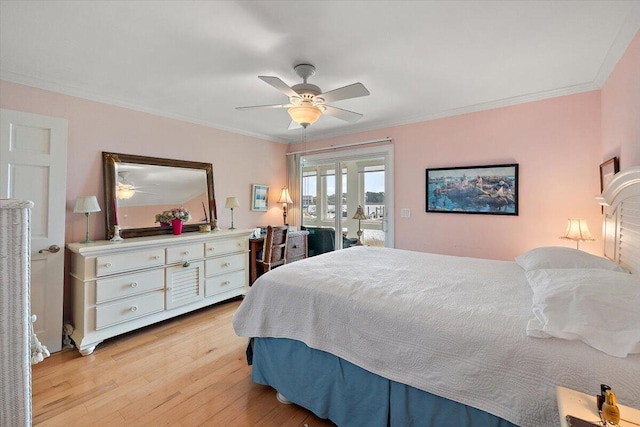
(108, 265)
(226, 264)
(133, 308)
(134, 284)
(225, 283)
(186, 253)
(211, 249)
(156, 257)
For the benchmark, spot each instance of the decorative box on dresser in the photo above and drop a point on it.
(121, 286)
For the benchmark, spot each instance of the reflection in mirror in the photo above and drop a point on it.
(138, 188)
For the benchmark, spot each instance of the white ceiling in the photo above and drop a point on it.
(420, 60)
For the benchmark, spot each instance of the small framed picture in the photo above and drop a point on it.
(259, 197)
(607, 170)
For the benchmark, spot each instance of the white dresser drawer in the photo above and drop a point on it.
(227, 246)
(110, 264)
(223, 283)
(128, 285)
(224, 264)
(184, 253)
(128, 309)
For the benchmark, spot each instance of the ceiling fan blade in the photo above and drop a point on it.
(347, 92)
(346, 115)
(280, 85)
(293, 125)
(255, 107)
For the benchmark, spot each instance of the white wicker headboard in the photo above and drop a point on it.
(621, 227)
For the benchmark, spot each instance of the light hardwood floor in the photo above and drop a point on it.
(187, 371)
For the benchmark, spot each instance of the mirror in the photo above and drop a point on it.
(137, 188)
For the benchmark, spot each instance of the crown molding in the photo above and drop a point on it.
(84, 94)
(619, 46)
(484, 106)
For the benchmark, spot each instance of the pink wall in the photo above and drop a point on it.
(238, 161)
(621, 109)
(557, 145)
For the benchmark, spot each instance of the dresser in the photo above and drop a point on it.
(121, 286)
(297, 245)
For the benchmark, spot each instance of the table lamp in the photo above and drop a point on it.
(285, 199)
(359, 215)
(232, 202)
(86, 205)
(577, 230)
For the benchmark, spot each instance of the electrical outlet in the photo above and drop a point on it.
(405, 213)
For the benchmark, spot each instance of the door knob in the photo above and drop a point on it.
(53, 249)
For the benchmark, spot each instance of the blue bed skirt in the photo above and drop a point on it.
(348, 395)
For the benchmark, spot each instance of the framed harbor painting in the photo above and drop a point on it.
(490, 190)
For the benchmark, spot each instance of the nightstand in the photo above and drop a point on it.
(571, 402)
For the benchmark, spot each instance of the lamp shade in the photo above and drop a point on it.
(232, 202)
(284, 196)
(305, 115)
(359, 213)
(577, 230)
(86, 204)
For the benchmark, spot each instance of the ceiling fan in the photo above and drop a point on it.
(307, 102)
(125, 188)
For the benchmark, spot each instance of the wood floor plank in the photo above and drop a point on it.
(184, 372)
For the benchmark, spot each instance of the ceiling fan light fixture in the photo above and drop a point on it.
(125, 191)
(305, 115)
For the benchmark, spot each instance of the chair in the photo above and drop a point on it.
(322, 240)
(274, 252)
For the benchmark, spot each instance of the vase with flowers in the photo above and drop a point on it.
(163, 219)
(178, 216)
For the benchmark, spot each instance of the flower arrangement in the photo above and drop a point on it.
(162, 218)
(176, 213)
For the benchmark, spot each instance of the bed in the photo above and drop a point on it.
(377, 337)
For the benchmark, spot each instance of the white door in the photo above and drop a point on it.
(33, 166)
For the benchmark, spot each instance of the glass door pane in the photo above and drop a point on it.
(320, 205)
(374, 203)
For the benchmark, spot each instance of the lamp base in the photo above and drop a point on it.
(86, 238)
(232, 227)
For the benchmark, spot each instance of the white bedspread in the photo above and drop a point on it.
(452, 326)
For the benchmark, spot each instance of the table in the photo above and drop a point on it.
(581, 405)
(255, 246)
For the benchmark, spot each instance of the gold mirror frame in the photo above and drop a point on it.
(109, 161)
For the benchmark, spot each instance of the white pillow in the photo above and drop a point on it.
(599, 307)
(561, 257)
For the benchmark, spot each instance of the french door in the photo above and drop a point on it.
(334, 185)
